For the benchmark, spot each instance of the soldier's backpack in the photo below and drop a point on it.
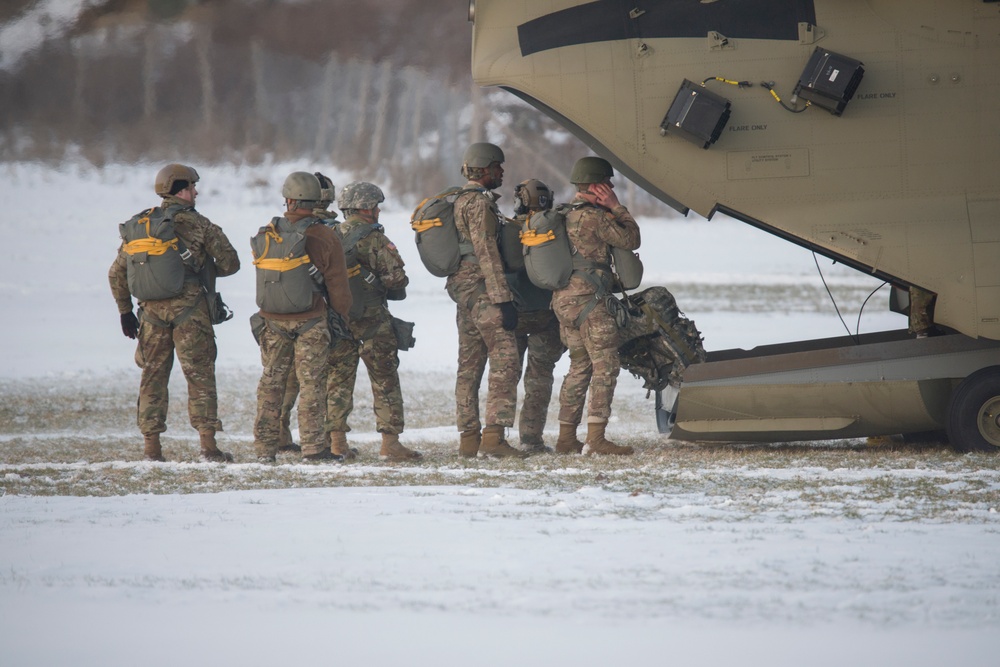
(660, 342)
(158, 262)
(548, 256)
(287, 280)
(366, 287)
(433, 223)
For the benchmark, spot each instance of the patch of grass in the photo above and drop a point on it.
(78, 438)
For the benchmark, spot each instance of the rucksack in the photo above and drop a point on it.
(433, 222)
(366, 287)
(158, 261)
(287, 280)
(660, 341)
(548, 256)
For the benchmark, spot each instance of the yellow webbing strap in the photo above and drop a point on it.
(353, 270)
(277, 263)
(151, 246)
(530, 237)
(280, 263)
(424, 225)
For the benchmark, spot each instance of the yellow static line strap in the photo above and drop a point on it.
(150, 246)
(530, 237)
(281, 264)
(424, 225)
(353, 270)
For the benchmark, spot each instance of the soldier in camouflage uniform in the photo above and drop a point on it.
(300, 342)
(374, 338)
(180, 324)
(486, 315)
(329, 218)
(596, 222)
(537, 330)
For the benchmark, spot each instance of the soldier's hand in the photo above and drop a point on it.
(509, 313)
(604, 195)
(130, 325)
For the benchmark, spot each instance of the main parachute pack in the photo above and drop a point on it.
(158, 261)
(433, 223)
(287, 281)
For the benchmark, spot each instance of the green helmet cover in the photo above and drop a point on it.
(482, 155)
(302, 186)
(591, 170)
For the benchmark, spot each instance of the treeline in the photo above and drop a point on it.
(382, 89)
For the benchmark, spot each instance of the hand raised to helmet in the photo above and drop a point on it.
(601, 194)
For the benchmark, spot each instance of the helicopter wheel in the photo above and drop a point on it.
(974, 412)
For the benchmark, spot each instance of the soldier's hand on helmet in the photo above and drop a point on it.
(604, 195)
(130, 325)
(509, 312)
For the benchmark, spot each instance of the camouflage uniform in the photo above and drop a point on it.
(537, 334)
(477, 287)
(373, 331)
(180, 324)
(329, 218)
(593, 345)
(284, 351)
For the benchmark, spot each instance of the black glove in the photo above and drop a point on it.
(130, 325)
(509, 313)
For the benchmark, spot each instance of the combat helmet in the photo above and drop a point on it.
(359, 195)
(302, 186)
(482, 155)
(532, 195)
(171, 174)
(591, 170)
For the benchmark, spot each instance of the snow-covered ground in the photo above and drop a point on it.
(655, 560)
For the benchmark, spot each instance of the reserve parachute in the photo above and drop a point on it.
(158, 261)
(287, 280)
(660, 342)
(628, 268)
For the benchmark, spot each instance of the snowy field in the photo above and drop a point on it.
(817, 554)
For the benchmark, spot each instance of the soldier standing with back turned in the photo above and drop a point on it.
(180, 323)
(296, 337)
(329, 218)
(485, 313)
(382, 275)
(596, 223)
(537, 330)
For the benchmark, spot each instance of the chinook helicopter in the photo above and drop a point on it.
(863, 130)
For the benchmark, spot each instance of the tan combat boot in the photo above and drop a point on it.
(494, 445)
(210, 451)
(151, 447)
(339, 446)
(598, 444)
(567, 442)
(393, 449)
(468, 445)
